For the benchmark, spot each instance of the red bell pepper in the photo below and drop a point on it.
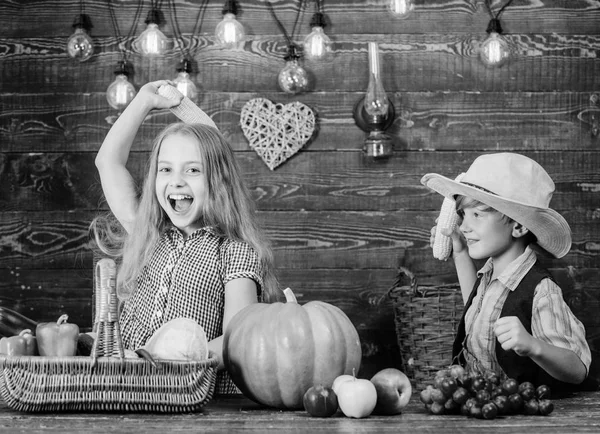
(24, 344)
(57, 339)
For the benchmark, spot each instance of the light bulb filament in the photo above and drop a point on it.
(401, 8)
(494, 51)
(152, 43)
(317, 44)
(121, 93)
(183, 88)
(80, 45)
(293, 78)
(229, 33)
(185, 85)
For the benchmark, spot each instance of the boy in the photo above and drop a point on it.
(515, 319)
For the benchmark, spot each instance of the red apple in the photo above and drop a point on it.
(393, 391)
(320, 401)
(357, 398)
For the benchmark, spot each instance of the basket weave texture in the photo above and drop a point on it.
(426, 319)
(106, 380)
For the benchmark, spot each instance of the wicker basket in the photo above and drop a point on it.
(426, 319)
(106, 380)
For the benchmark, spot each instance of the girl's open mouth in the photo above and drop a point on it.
(180, 202)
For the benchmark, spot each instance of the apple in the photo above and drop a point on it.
(339, 380)
(393, 391)
(320, 401)
(357, 397)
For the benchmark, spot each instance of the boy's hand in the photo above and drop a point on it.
(459, 244)
(512, 336)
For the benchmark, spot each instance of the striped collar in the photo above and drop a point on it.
(514, 273)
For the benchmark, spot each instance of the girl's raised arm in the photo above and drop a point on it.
(117, 183)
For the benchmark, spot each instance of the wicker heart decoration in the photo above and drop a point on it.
(276, 131)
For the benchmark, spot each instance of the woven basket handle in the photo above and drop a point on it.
(413, 279)
(108, 340)
(405, 272)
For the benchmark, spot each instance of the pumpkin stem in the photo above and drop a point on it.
(289, 296)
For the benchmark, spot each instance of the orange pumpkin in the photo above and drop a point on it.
(276, 352)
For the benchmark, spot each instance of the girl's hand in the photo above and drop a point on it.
(150, 96)
(512, 336)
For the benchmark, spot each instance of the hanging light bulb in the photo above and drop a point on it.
(120, 92)
(184, 83)
(293, 78)
(317, 45)
(494, 51)
(230, 32)
(375, 113)
(80, 45)
(401, 8)
(152, 42)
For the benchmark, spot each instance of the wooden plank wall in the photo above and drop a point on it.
(340, 224)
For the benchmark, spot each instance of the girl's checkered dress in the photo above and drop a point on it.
(186, 278)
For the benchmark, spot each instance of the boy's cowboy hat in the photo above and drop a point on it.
(516, 186)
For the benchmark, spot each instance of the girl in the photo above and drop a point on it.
(189, 245)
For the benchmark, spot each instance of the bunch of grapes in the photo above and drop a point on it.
(484, 396)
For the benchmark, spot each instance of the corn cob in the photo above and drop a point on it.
(187, 111)
(448, 218)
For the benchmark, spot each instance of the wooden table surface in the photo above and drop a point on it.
(580, 413)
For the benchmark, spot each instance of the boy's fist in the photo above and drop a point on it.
(512, 336)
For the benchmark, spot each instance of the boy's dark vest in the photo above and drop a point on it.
(518, 303)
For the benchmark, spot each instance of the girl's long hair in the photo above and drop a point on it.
(228, 208)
